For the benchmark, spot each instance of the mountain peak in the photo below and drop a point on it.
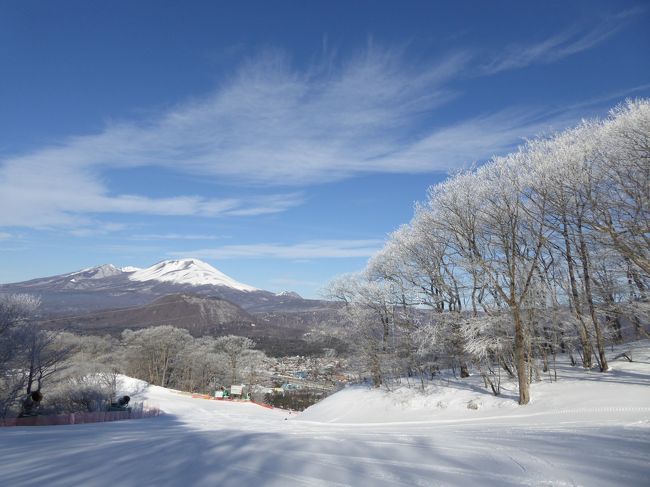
(130, 268)
(188, 271)
(97, 272)
(289, 294)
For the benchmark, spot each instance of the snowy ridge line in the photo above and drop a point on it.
(483, 418)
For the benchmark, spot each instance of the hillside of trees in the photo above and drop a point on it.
(543, 250)
(75, 373)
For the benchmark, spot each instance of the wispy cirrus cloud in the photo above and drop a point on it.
(269, 124)
(559, 46)
(274, 125)
(41, 199)
(315, 249)
(175, 236)
(96, 228)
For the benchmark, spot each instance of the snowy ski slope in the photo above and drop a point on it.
(588, 429)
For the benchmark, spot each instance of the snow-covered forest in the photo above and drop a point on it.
(75, 373)
(542, 251)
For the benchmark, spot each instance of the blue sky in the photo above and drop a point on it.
(278, 141)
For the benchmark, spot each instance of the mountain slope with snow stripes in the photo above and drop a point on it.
(188, 271)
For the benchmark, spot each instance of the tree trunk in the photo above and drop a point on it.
(464, 371)
(520, 357)
(376, 371)
(600, 341)
(587, 351)
(32, 366)
(614, 323)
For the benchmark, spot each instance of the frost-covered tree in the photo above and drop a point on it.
(15, 312)
(151, 353)
(371, 310)
(91, 378)
(235, 349)
(29, 355)
(419, 263)
(620, 203)
(544, 249)
(253, 366)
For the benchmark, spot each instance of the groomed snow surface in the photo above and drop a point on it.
(587, 429)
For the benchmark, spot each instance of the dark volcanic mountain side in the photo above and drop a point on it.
(277, 333)
(198, 314)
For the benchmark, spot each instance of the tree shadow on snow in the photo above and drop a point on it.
(164, 451)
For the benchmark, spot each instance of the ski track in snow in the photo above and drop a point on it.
(551, 442)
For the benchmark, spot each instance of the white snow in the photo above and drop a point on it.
(588, 429)
(130, 268)
(188, 271)
(288, 294)
(97, 272)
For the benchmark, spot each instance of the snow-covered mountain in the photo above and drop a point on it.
(186, 293)
(289, 294)
(193, 272)
(188, 271)
(109, 287)
(98, 272)
(130, 268)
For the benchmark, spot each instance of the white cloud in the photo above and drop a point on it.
(94, 229)
(176, 236)
(53, 200)
(266, 205)
(269, 124)
(274, 125)
(559, 46)
(316, 249)
(5, 236)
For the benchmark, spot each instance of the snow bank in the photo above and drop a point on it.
(624, 387)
